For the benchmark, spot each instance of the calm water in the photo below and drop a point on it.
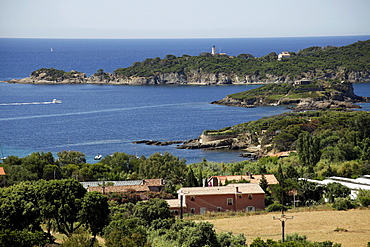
(19, 57)
(105, 119)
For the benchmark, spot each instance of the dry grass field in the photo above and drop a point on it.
(353, 226)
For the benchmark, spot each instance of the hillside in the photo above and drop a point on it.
(339, 135)
(349, 63)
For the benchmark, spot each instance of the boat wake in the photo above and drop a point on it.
(89, 143)
(97, 111)
(54, 101)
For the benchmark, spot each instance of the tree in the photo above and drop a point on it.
(126, 233)
(164, 166)
(335, 190)
(152, 209)
(291, 172)
(121, 162)
(52, 172)
(70, 157)
(19, 208)
(189, 233)
(18, 173)
(227, 239)
(36, 162)
(245, 56)
(190, 180)
(308, 149)
(61, 201)
(94, 212)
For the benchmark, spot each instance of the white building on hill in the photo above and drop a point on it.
(353, 184)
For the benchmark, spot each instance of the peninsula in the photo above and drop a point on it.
(348, 63)
(299, 96)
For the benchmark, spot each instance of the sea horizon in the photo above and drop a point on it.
(153, 38)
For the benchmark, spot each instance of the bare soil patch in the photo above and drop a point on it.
(350, 228)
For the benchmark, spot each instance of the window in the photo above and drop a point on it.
(203, 210)
(219, 209)
(175, 212)
(192, 210)
(229, 201)
(250, 209)
(250, 197)
(192, 198)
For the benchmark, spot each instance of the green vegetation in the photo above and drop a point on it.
(45, 197)
(293, 240)
(66, 207)
(335, 135)
(55, 74)
(57, 205)
(313, 62)
(287, 93)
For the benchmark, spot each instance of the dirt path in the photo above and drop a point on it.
(353, 226)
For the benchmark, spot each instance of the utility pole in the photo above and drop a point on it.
(181, 202)
(283, 218)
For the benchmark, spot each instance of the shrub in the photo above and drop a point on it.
(363, 197)
(296, 238)
(22, 238)
(275, 207)
(227, 239)
(344, 204)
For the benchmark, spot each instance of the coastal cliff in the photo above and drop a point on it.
(190, 78)
(281, 133)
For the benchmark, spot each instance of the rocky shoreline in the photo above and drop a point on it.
(191, 77)
(158, 143)
(331, 99)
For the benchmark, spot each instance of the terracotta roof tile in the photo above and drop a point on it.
(2, 172)
(175, 203)
(254, 179)
(247, 188)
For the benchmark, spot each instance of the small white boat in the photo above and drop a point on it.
(55, 101)
(98, 157)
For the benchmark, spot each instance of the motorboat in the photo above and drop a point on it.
(98, 157)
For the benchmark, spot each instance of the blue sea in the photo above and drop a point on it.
(103, 119)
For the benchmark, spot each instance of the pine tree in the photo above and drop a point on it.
(190, 180)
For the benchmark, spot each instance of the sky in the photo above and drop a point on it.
(132, 19)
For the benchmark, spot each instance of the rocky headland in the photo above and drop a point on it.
(349, 63)
(299, 96)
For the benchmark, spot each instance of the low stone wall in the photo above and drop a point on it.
(211, 138)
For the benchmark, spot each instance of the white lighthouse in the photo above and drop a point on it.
(213, 50)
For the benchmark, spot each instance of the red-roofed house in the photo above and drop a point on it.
(143, 185)
(233, 197)
(254, 179)
(2, 173)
